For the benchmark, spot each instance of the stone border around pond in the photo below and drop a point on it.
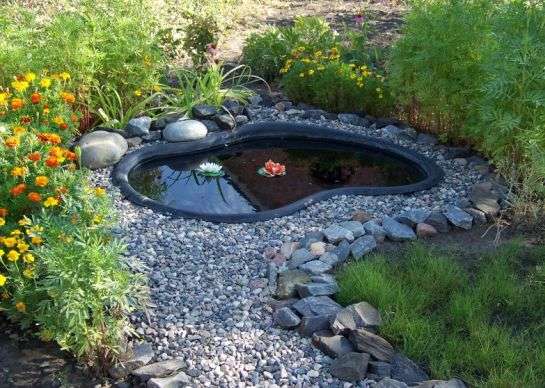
(264, 131)
(300, 279)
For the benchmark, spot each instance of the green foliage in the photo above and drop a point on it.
(202, 33)
(323, 80)
(480, 79)
(265, 53)
(484, 326)
(99, 42)
(84, 294)
(212, 86)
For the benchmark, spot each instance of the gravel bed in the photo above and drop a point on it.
(208, 281)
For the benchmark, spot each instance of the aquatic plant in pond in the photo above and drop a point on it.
(272, 169)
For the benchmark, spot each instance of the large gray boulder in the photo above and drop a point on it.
(317, 306)
(362, 246)
(184, 130)
(158, 369)
(404, 369)
(101, 149)
(317, 289)
(374, 229)
(336, 233)
(288, 282)
(286, 318)
(177, 381)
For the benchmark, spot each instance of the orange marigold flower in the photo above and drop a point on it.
(20, 306)
(56, 151)
(17, 103)
(3, 212)
(74, 118)
(35, 156)
(63, 126)
(34, 197)
(12, 142)
(18, 189)
(54, 138)
(52, 162)
(68, 98)
(25, 120)
(70, 155)
(41, 181)
(35, 98)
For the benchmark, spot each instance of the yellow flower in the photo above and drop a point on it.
(58, 120)
(36, 240)
(1, 253)
(28, 258)
(30, 76)
(4, 98)
(51, 201)
(100, 192)
(20, 86)
(2, 221)
(25, 221)
(64, 76)
(20, 306)
(18, 171)
(3, 280)
(137, 92)
(19, 130)
(97, 219)
(13, 255)
(156, 88)
(23, 247)
(15, 232)
(28, 273)
(45, 83)
(10, 242)
(310, 72)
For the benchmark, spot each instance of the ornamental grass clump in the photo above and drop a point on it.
(60, 269)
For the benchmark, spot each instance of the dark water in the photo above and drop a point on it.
(310, 168)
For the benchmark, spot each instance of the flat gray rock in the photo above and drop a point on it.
(139, 126)
(404, 369)
(288, 248)
(225, 122)
(352, 119)
(479, 217)
(317, 289)
(350, 366)
(356, 316)
(424, 230)
(438, 221)
(315, 267)
(332, 345)
(323, 278)
(484, 199)
(413, 217)
(101, 149)
(184, 130)
(159, 369)
(288, 281)
(299, 257)
(317, 306)
(335, 234)
(458, 217)
(397, 231)
(311, 237)
(342, 251)
(374, 229)
(202, 111)
(313, 324)
(388, 382)
(177, 381)
(363, 246)
(355, 227)
(330, 258)
(211, 125)
(380, 369)
(286, 318)
(366, 341)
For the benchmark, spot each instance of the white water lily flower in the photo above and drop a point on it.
(209, 168)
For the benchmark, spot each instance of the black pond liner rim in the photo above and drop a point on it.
(266, 131)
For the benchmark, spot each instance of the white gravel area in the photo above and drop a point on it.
(208, 281)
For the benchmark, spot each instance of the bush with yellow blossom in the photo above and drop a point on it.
(323, 79)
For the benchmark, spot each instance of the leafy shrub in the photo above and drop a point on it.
(484, 326)
(480, 79)
(104, 42)
(60, 270)
(265, 53)
(201, 38)
(323, 79)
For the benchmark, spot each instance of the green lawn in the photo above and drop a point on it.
(485, 324)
